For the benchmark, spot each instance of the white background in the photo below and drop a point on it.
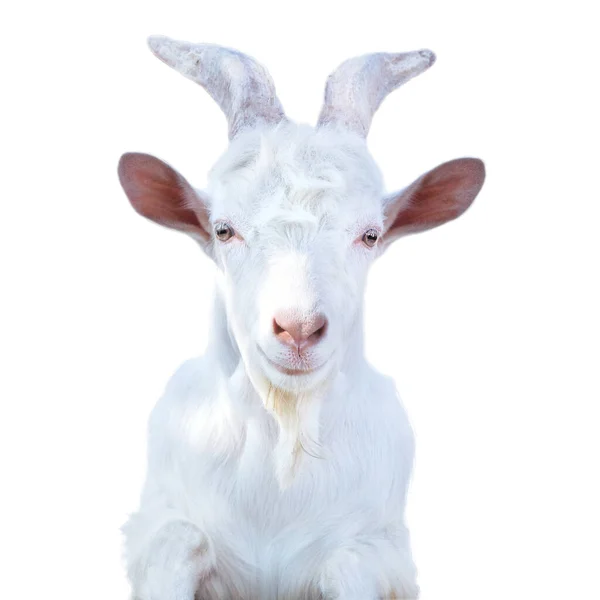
(489, 325)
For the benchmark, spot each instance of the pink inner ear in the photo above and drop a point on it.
(159, 193)
(440, 195)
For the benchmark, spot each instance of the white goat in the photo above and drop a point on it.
(279, 462)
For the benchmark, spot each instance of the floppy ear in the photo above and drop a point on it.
(159, 193)
(440, 195)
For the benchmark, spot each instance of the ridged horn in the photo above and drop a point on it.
(358, 86)
(239, 85)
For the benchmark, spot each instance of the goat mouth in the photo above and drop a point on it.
(287, 370)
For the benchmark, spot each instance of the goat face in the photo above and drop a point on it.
(296, 215)
(293, 216)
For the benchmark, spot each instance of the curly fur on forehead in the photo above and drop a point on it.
(295, 166)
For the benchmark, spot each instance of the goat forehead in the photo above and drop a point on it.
(296, 174)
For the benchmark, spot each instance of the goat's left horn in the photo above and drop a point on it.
(240, 86)
(358, 86)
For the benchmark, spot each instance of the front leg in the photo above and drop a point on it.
(167, 559)
(369, 572)
(344, 579)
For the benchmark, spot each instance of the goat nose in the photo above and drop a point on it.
(299, 333)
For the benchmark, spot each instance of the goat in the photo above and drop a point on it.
(278, 464)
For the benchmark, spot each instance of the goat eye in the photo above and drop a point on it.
(370, 238)
(224, 232)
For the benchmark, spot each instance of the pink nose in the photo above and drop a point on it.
(299, 333)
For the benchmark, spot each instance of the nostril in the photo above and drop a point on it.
(319, 332)
(284, 331)
(277, 328)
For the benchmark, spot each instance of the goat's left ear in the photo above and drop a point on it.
(440, 195)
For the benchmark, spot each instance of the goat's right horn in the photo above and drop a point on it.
(358, 86)
(240, 86)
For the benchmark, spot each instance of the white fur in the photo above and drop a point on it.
(261, 485)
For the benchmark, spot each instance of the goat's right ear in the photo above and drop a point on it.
(159, 193)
